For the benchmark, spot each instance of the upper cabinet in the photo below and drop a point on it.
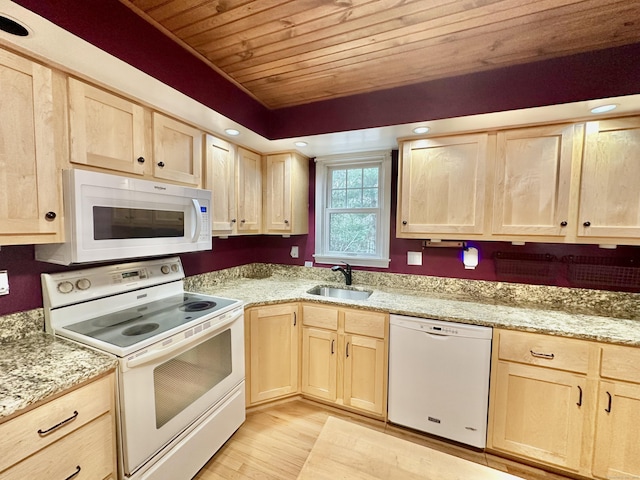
(609, 200)
(106, 131)
(249, 196)
(286, 194)
(177, 150)
(532, 180)
(30, 184)
(112, 133)
(220, 178)
(441, 187)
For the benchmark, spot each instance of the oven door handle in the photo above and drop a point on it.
(196, 207)
(182, 345)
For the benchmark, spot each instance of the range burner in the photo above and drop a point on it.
(197, 306)
(141, 329)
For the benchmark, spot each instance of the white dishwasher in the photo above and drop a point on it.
(439, 378)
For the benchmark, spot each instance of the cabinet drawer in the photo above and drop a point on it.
(321, 317)
(360, 322)
(544, 350)
(620, 363)
(89, 451)
(19, 436)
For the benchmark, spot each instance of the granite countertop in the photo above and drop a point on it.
(39, 365)
(276, 289)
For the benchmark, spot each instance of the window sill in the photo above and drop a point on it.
(353, 261)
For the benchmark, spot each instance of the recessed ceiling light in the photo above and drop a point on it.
(604, 108)
(421, 130)
(11, 26)
(301, 144)
(232, 131)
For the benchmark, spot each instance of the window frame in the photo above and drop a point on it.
(322, 211)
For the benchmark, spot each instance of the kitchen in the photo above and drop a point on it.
(274, 249)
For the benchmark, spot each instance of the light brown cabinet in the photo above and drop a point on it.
(272, 352)
(441, 187)
(249, 196)
(71, 434)
(567, 403)
(30, 183)
(532, 180)
(609, 200)
(344, 357)
(286, 194)
(106, 131)
(617, 444)
(177, 149)
(220, 178)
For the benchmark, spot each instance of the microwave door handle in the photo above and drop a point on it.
(196, 207)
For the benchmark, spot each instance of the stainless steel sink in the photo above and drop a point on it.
(337, 292)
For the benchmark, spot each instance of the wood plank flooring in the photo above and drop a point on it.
(275, 441)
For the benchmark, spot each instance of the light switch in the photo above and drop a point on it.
(414, 258)
(4, 282)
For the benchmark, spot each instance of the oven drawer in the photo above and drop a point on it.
(19, 436)
(88, 451)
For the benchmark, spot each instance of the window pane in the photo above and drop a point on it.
(370, 198)
(354, 178)
(352, 233)
(370, 177)
(339, 179)
(338, 198)
(354, 198)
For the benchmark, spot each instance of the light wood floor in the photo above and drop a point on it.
(275, 441)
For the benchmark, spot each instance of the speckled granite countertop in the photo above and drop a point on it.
(416, 303)
(39, 365)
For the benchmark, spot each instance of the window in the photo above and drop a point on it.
(353, 209)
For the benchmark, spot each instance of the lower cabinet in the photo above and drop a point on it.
(72, 436)
(566, 403)
(272, 352)
(344, 357)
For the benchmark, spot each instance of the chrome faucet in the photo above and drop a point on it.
(345, 271)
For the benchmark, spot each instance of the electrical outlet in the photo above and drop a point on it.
(4, 282)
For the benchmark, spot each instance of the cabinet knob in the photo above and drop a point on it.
(161, 164)
(233, 220)
(563, 224)
(50, 215)
(140, 159)
(287, 222)
(587, 224)
(404, 222)
(242, 221)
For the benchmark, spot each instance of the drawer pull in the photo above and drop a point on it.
(608, 409)
(580, 398)
(43, 433)
(548, 356)
(74, 474)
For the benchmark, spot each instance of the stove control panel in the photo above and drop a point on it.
(65, 288)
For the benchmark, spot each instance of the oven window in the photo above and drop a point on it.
(182, 380)
(111, 223)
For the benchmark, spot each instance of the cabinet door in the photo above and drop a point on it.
(442, 186)
(364, 374)
(221, 180)
(609, 200)
(617, 446)
(106, 131)
(249, 192)
(273, 352)
(538, 413)
(29, 179)
(319, 363)
(277, 193)
(177, 151)
(532, 179)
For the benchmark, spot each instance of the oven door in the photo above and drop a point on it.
(163, 390)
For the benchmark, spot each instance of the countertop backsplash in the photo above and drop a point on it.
(20, 325)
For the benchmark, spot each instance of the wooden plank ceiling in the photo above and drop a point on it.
(291, 52)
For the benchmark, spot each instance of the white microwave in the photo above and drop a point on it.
(111, 217)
